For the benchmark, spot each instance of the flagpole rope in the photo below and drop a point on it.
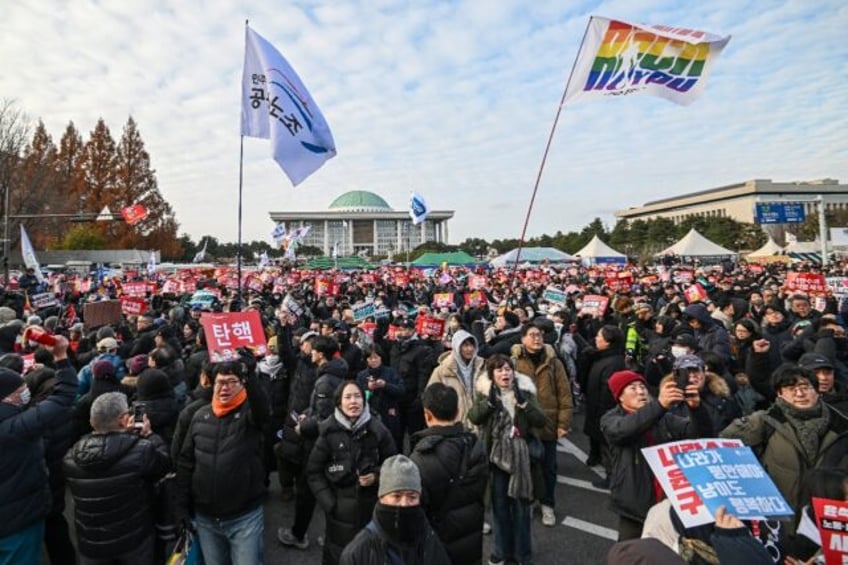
(545, 158)
(241, 181)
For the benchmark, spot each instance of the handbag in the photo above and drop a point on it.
(187, 551)
(535, 448)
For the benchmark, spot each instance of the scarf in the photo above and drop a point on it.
(510, 454)
(810, 424)
(221, 409)
(463, 370)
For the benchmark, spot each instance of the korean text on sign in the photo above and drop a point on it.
(229, 331)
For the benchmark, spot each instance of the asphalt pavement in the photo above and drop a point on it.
(585, 529)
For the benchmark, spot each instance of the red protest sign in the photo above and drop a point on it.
(443, 300)
(254, 283)
(806, 282)
(475, 299)
(367, 279)
(325, 287)
(832, 522)
(476, 282)
(391, 333)
(171, 286)
(368, 327)
(402, 279)
(135, 289)
(133, 306)
(429, 327)
(621, 281)
(227, 331)
(594, 304)
(695, 293)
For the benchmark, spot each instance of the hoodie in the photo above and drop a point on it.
(454, 372)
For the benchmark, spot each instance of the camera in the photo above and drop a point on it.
(138, 416)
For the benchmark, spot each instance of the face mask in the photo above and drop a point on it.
(402, 523)
(678, 351)
(26, 396)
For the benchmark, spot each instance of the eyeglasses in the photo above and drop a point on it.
(803, 388)
(533, 335)
(230, 383)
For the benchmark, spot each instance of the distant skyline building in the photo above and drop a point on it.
(737, 201)
(362, 221)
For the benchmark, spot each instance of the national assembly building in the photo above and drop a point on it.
(362, 222)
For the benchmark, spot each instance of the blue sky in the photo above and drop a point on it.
(453, 100)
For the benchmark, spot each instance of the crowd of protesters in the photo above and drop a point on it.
(413, 444)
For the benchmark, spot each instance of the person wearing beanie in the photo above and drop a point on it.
(344, 469)
(640, 421)
(107, 350)
(154, 392)
(24, 485)
(399, 530)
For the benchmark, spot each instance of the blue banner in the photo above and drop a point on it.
(733, 477)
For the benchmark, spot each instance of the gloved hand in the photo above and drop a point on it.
(493, 400)
(520, 397)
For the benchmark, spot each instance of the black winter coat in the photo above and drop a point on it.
(162, 413)
(303, 382)
(371, 546)
(631, 482)
(202, 397)
(112, 478)
(454, 470)
(414, 362)
(341, 454)
(384, 402)
(321, 404)
(24, 487)
(598, 396)
(219, 470)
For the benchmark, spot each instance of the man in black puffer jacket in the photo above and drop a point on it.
(454, 471)
(111, 473)
(24, 486)
(413, 360)
(219, 470)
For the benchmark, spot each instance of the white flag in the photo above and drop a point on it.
(200, 255)
(264, 260)
(276, 105)
(418, 209)
(28, 254)
(618, 58)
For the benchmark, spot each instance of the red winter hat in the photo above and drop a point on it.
(620, 379)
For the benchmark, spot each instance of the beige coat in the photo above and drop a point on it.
(447, 374)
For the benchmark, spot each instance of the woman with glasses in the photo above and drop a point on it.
(794, 435)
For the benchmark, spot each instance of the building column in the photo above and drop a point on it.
(374, 248)
(398, 247)
(326, 237)
(445, 231)
(424, 231)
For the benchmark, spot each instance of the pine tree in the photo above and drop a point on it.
(97, 169)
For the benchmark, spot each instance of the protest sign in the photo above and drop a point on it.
(363, 310)
(443, 300)
(832, 522)
(96, 314)
(811, 283)
(475, 299)
(426, 326)
(42, 300)
(594, 305)
(325, 287)
(171, 286)
(476, 282)
(368, 328)
(733, 477)
(554, 295)
(227, 331)
(133, 306)
(683, 496)
(402, 280)
(138, 289)
(695, 293)
(683, 276)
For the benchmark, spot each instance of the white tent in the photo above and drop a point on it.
(596, 251)
(533, 256)
(770, 248)
(694, 244)
(805, 251)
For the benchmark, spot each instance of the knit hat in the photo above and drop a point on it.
(620, 379)
(398, 473)
(153, 383)
(103, 370)
(10, 381)
(7, 314)
(137, 364)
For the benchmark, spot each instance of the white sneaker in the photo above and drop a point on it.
(487, 528)
(548, 516)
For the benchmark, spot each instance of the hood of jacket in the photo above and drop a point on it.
(428, 438)
(525, 383)
(336, 367)
(96, 452)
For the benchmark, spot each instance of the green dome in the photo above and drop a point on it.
(359, 201)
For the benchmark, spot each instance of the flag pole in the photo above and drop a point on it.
(241, 182)
(545, 157)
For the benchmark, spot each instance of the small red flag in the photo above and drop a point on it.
(134, 214)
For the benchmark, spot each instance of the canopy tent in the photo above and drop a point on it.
(453, 259)
(533, 256)
(771, 252)
(596, 251)
(693, 244)
(349, 263)
(809, 251)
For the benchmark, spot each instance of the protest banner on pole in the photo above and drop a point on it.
(683, 496)
(832, 522)
(594, 304)
(554, 295)
(228, 331)
(363, 310)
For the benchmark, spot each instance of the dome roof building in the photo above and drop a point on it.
(362, 222)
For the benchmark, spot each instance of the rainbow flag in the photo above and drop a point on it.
(618, 58)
